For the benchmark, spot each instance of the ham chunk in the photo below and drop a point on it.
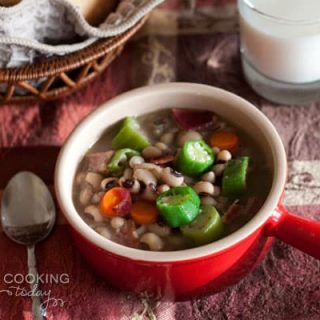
(97, 162)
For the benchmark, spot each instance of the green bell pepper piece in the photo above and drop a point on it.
(130, 136)
(178, 206)
(206, 228)
(194, 158)
(115, 165)
(234, 177)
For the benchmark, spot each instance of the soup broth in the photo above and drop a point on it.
(171, 180)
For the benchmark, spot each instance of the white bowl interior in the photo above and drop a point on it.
(153, 98)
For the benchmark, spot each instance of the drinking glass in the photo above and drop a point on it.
(280, 53)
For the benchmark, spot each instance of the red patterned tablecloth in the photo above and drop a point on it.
(176, 45)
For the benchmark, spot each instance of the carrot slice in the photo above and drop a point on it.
(116, 202)
(144, 212)
(225, 140)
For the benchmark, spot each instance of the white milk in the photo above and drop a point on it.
(286, 50)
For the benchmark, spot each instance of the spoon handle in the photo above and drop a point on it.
(38, 311)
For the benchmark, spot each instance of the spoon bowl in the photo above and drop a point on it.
(27, 209)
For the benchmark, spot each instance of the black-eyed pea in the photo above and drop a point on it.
(189, 180)
(163, 188)
(117, 222)
(80, 177)
(155, 169)
(210, 176)
(85, 196)
(160, 230)
(146, 176)
(218, 169)
(168, 138)
(153, 241)
(126, 178)
(94, 179)
(109, 183)
(224, 156)
(135, 160)
(215, 150)
(171, 177)
(96, 198)
(208, 201)
(122, 180)
(133, 185)
(204, 187)
(162, 146)
(104, 231)
(151, 152)
(94, 212)
(149, 193)
(186, 136)
(140, 231)
(127, 173)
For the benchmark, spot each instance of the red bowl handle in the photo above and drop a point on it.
(298, 232)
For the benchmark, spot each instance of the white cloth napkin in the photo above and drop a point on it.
(36, 28)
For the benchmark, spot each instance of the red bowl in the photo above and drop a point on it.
(201, 270)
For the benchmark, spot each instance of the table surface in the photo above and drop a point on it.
(177, 44)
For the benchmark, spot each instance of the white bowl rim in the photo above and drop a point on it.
(269, 207)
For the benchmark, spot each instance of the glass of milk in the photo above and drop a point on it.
(280, 48)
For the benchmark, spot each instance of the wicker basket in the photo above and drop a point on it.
(57, 77)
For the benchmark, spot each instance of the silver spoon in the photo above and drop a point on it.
(27, 217)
